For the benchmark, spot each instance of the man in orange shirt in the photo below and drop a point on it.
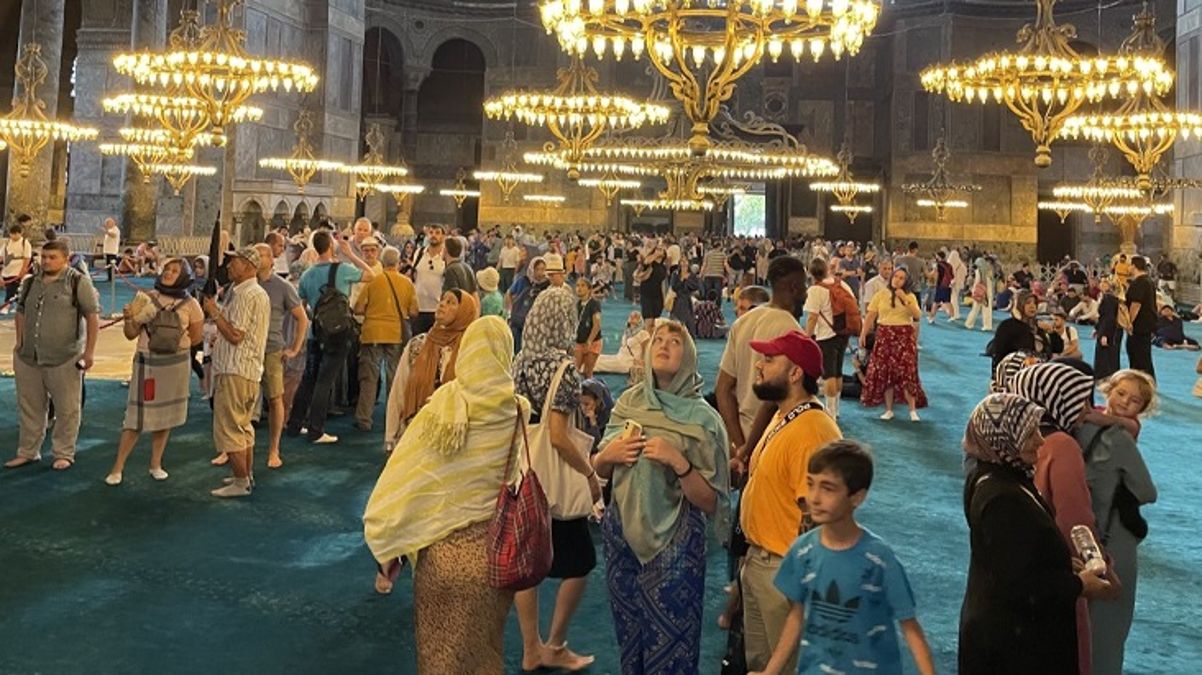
(773, 503)
(386, 305)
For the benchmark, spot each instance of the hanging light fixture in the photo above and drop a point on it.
(215, 70)
(845, 188)
(460, 193)
(575, 113)
(703, 47)
(545, 199)
(26, 130)
(1045, 80)
(145, 155)
(302, 164)
(373, 172)
(1143, 127)
(178, 174)
(939, 192)
(1062, 208)
(663, 204)
(1100, 192)
(610, 185)
(508, 177)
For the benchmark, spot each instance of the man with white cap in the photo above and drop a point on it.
(491, 301)
(242, 323)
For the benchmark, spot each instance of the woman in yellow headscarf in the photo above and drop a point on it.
(436, 496)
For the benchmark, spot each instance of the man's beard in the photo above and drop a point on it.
(770, 391)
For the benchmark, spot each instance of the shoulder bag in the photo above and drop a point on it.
(519, 535)
(568, 493)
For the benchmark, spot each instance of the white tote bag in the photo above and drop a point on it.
(567, 489)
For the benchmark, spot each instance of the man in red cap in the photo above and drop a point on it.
(773, 504)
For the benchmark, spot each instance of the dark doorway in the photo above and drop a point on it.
(1055, 238)
(838, 228)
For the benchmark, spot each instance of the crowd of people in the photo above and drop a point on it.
(484, 349)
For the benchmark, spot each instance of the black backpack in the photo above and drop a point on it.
(332, 320)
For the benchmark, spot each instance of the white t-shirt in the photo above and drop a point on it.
(427, 279)
(871, 287)
(509, 258)
(16, 255)
(112, 241)
(818, 301)
(738, 360)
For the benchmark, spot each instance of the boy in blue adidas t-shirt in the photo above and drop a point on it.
(845, 586)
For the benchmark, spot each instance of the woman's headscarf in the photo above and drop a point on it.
(1020, 299)
(549, 333)
(648, 498)
(999, 427)
(446, 469)
(1008, 367)
(183, 283)
(483, 390)
(422, 376)
(1061, 390)
(530, 273)
(605, 400)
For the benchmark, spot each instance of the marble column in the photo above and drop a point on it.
(41, 22)
(139, 203)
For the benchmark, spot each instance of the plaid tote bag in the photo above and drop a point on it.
(519, 536)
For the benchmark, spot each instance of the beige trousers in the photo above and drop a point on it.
(36, 387)
(764, 610)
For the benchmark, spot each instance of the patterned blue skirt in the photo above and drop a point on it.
(657, 606)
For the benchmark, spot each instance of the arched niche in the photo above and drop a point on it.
(281, 215)
(452, 97)
(253, 223)
(319, 214)
(300, 217)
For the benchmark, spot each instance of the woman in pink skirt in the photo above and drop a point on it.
(893, 365)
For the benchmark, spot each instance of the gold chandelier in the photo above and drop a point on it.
(508, 177)
(25, 129)
(399, 191)
(610, 185)
(302, 164)
(545, 199)
(145, 155)
(373, 173)
(938, 192)
(460, 193)
(178, 174)
(702, 47)
(665, 204)
(1100, 192)
(1046, 80)
(182, 119)
(720, 193)
(575, 113)
(215, 69)
(845, 188)
(1143, 128)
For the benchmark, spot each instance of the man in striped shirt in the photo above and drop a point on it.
(242, 322)
(713, 273)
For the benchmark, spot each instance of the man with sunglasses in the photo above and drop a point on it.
(428, 271)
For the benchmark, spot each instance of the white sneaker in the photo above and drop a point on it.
(887, 416)
(238, 488)
(113, 479)
(914, 416)
(326, 439)
(158, 474)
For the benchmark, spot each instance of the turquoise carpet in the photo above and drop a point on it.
(161, 577)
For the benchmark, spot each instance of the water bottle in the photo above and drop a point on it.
(1088, 549)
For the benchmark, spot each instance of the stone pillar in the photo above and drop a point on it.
(41, 22)
(377, 206)
(96, 182)
(414, 76)
(139, 204)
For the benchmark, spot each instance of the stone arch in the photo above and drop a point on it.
(252, 222)
(281, 215)
(319, 212)
(488, 48)
(300, 217)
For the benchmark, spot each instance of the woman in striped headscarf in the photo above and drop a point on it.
(435, 498)
(1066, 394)
(1018, 614)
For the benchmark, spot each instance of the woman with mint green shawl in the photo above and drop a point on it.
(665, 481)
